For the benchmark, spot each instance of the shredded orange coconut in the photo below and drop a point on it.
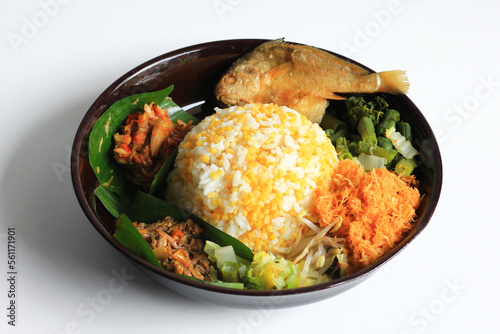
(377, 209)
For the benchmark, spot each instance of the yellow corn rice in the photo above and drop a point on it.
(251, 171)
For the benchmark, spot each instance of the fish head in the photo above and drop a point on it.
(238, 87)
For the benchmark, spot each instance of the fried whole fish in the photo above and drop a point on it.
(301, 77)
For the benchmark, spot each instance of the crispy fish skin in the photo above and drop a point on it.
(301, 77)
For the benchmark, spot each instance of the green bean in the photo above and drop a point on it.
(381, 152)
(385, 142)
(334, 135)
(367, 130)
(390, 118)
(354, 137)
(330, 133)
(353, 147)
(405, 167)
(330, 122)
(405, 130)
(394, 161)
(342, 150)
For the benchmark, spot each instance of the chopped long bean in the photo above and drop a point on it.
(405, 129)
(385, 142)
(353, 148)
(366, 129)
(405, 167)
(391, 117)
(388, 154)
(333, 136)
(330, 122)
(342, 149)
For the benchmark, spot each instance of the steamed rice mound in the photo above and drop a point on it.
(251, 171)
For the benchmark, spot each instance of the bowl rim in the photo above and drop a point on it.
(76, 159)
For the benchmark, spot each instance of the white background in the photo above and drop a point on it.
(57, 56)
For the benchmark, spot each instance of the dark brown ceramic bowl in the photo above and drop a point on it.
(194, 72)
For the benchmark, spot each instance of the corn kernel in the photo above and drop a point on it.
(212, 194)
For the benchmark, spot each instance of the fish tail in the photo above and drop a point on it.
(395, 82)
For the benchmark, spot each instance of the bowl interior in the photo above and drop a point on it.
(194, 72)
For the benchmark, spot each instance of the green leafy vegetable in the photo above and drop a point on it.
(358, 107)
(148, 209)
(161, 175)
(128, 235)
(112, 202)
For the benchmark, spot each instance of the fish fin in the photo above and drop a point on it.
(395, 82)
(278, 70)
(330, 96)
(285, 96)
(312, 107)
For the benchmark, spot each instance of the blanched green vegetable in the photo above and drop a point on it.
(231, 266)
(370, 162)
(358, 107)
(269, 272)
(330, 122)
(387, 154)
(400, 143)
(405, 129)
(404, 167)
(364, 140)
(366, 130)
(333, 136)
(230, 272)
(391, 117)
(385, 142)
(224, 254)
(342, 149)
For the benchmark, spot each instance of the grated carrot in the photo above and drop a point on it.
(377, 209)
